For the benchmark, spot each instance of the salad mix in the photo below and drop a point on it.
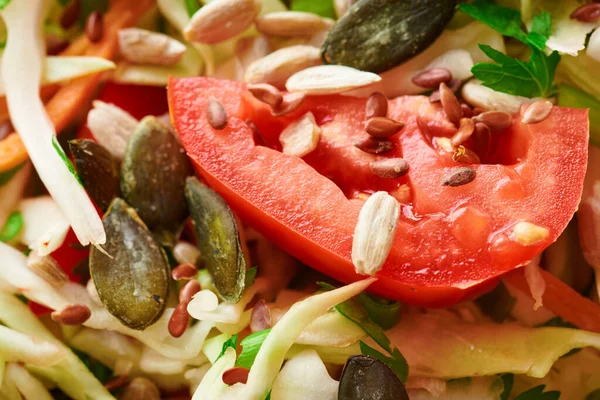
(299, 199)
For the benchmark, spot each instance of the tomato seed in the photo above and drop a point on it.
(495, 120)
(189, 290)
(291, 101)
(587, 13)
(94, 27)
(465, 130)
(235, 375)
(75, 314)
(266, 93)
(537, 112)
(185, 271)
(432, 78)
(450, 104)
(374, 146)
(376, 106)
(382, 127)
(179, 320)
(390, 168)
(459, 176)
(215, 114)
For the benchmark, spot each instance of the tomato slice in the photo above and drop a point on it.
(449, 240)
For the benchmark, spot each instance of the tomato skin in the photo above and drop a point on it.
(293, 203)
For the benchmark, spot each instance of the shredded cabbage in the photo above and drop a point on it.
(212, 385)
(21, 73)
(44, 225)
(29, 386)
(11, 192)
(20, 347)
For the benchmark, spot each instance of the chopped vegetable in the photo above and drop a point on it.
(230, 343)
(251, 344)
(384, 313)
(12, 227)
(44, 225)
(19, 347)
(29, 386)
(212, 386)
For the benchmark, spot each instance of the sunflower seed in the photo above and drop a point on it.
(261, 318)
(376, 106)
(216, 114)
(48, 269)
(374, 146)
(266, 93)
(374, 233)
(527, 234)
(292, 23)
(140, 389)
(111, 126)
(537, 112)
(465, 155)
(495, 120)
(300, 137)
(94, 27)
(188, 291)
(179, 320)
(184, 272)
(278, 66)
(465, 130)
(389, 168)
(329, 79)
(477, 95)
(291, 101)
(140, 46)
(185, 253)
(220, 20)
(431, 78)
(235, 375)
(382, 127)
(459, 176)
(587, 13)
(450, 104)
(75, 314)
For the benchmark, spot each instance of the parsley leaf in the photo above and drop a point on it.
(231, 342)
(324, 8)
(11, 227)
(537, 393)
(63, 156)
(533, 78)
(251, 344)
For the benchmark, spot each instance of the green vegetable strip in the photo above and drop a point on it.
(12, 227)
(231, 342)
(569, 96)
(191, 7)
(324, 8)
(250, 347)
(384, 313)
(65, 159)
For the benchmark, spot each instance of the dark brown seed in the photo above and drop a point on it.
(188, 291)
(94, 26)
(140, 389)
(374, 146)
(450, 104)
(453, 85)
(215, 114)
(587, 13)
(467, 112)
(75, 314)
(184, 272)
(291, 101)
(465, 130)
(6, 128)
(382, 127)
(465, 155)
(257, 135)
(459, 176)
(266, 93)
(261, 317)
(55, 45)
(495, 120)
(116, 382)
(376, 106)
(366, 377)
(179, 320)
(537, 112)
(482, 138)
(389, 168)
(432, 78)
(235, 375)
(70, 14)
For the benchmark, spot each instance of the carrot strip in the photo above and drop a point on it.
(65, 104)
(562, 300)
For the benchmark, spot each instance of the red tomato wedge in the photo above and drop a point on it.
(449, 240)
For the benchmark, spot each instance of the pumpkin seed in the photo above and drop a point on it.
(367, 378)
(376, 35)
(98, 170)
(153, 177)
(133, 282)
(218, 239)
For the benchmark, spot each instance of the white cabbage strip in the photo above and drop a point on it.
(44, 225)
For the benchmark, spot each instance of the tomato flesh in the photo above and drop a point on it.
(449, 240)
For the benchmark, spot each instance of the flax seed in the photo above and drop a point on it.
(431, 78)
(389, 168)
(382, 127)
(450, 104)
(179, 320)
(75, 314)
(459, 176)
(266, 93)
(94, 26)
(374, 146)
(465, 130)
(189, 290)
(376, 106)
(184, 272)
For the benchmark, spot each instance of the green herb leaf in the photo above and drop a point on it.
(11, 227)
(250, 347)
(537, 393)
(507, 380)
(541, 28)
(250, 277)
(7, 176)
(381, 311)
(505, 20)
(4, 3)
(231, 342)
(396, 362)
(324, 8)
(192, 6)
(65, 159)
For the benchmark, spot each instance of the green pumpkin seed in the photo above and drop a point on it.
(218, 240)
(133, 282)
(97, 169)
(367, 378)
(153, 176)
(376, 35)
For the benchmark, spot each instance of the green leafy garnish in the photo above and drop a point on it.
(65, 159)
(192, 6)
(11, 227)
(4, 3)
(383, 312)
(250, 347)
(324, 8)
(231, 342)
(507, 381)
(533, 78)
(352, 310)
(250, 277)
(537, 393)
